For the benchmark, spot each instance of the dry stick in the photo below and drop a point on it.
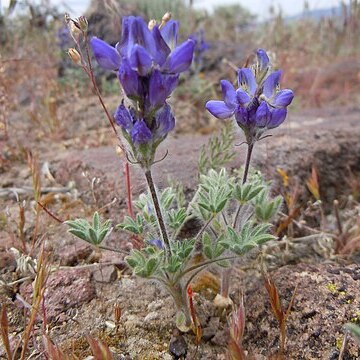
(225, 280)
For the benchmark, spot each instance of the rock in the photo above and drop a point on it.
(65, 290)
(71, 255)
(105, 274)
(155, 305)
(7, 261)
(178, 347)
(208, 333)
(150, 317)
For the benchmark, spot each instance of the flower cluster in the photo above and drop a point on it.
(258, 104)
(200, 48)
(148, 62)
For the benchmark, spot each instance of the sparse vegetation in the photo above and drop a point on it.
(67, 299)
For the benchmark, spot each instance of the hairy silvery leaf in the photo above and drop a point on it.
(167, 197)
(173, 265)
(93, 233)
(176, 218)
(267, 209)
(246, 192)
(214, 191)
(131, 225)
(212, 249)
(182, 249)
(249, 237)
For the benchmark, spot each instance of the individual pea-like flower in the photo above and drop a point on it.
(258, 104)
(148, 61)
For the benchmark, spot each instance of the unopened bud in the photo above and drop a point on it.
(166, 17)
(67, 18)
(75, 30)
(83, 23)
(74, 56)
(151, 24)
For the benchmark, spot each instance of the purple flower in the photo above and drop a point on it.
(157, 243)
(257, 104)
(106, 56)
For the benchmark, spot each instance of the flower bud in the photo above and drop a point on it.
(83, 23)
(75, 30)
(166, 17)
(151, 24)
(75, 56)
(67, 18)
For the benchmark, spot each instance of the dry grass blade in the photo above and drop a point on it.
(313, 184)
(99, 349)
(4, 326)
(52, 351)
(237, 329)
(277, 309)
(42, 272)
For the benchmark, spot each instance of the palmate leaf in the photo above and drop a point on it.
(212, 249)
(131, 225)
(93, 233)
(248, 238)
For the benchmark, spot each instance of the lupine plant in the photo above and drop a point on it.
(258, 105)
(148, 62)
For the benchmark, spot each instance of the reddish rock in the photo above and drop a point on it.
(65, 289)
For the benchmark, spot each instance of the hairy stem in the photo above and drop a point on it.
(198, 236)
(159, 216)
(245, 176)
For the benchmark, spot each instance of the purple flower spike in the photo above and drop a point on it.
(258, 103)
(106, 56)
(140, 133)
(149, 63)
(180, 58)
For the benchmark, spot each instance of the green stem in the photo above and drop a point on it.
(159, 216)
(245, 176)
